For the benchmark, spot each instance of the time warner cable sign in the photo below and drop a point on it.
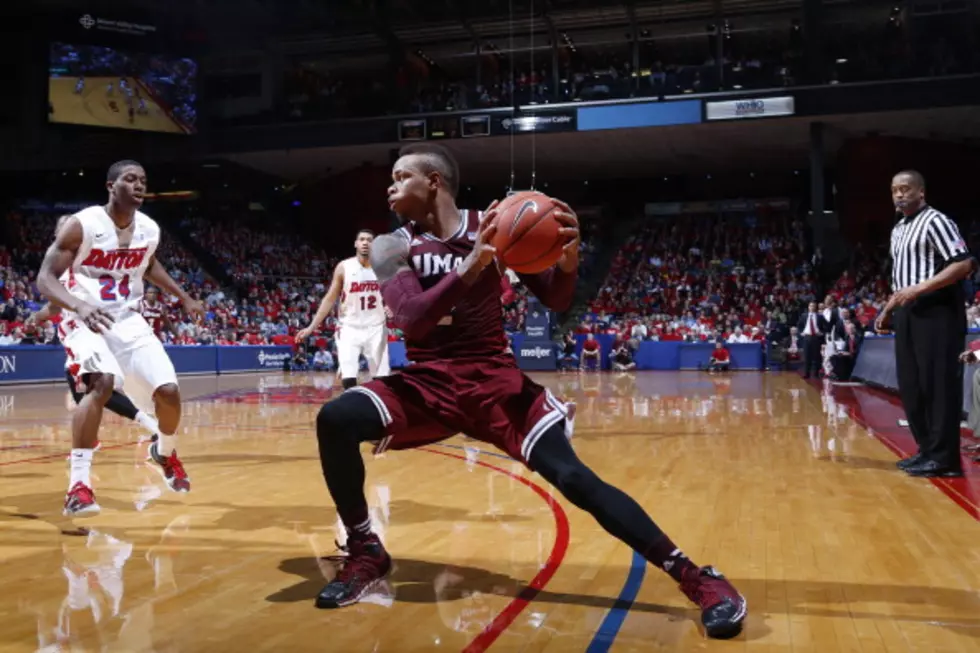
(766, 107)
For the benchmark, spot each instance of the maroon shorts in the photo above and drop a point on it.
(488, 399)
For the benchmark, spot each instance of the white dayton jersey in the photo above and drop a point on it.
(108, 272)
(363, 325)
(360, 301)
(109, 266)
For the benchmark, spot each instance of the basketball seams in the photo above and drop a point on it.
(524, 213)
(540, 255)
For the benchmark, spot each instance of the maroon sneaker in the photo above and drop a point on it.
(366, 565)
(722, 607)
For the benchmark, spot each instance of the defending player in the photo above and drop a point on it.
(441, 280)
(363, 324)
(106, 252)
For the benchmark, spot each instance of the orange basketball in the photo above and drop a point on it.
(527, 239)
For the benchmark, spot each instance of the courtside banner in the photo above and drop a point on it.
(40, 363)
(766, 107)
(875, 366)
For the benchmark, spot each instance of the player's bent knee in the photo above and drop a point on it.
(349, 382)
(351, 415)
(101, 386)
(168, 394)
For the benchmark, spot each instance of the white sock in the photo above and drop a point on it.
(147, 422)
(166, 444)
(81, 464)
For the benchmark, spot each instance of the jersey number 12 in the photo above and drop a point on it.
(369, 303)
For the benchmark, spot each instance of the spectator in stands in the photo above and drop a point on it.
(591, 352)
(794, 345)
(843, 359)
(738, 337)
(322, 360)
(566, 356)
(300, 362)
(622, 358)
(10, 312)
(720, 359)
(6, 339)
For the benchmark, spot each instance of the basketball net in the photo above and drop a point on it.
(515, 108)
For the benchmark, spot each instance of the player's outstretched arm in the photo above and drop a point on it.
(418, 311)
(333, 293)
(159, 277)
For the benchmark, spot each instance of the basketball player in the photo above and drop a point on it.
(155, 313)
(107, 252)
(441, 280)
(363, 324)
(118, 402)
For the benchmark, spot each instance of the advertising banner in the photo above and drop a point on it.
(640, 114)
(40, 363)
(766, 107)
(540, 122)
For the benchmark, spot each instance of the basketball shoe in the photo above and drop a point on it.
(170, 468)
(80, 501)
(722, 607)
(366, 565)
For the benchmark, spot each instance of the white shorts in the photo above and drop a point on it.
(370, 341)
(130, 352)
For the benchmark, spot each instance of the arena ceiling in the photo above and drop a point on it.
(633, 153)
(414, 21)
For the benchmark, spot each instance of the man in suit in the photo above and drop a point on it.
(813, 327)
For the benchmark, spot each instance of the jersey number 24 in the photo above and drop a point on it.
(110, 292)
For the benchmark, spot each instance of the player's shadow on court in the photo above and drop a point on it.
(41, 507)
(419, 581)
(402, 512)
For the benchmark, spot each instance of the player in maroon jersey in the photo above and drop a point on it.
(441, 280)
(155, 313)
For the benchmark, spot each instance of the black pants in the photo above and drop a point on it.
(929, 337)
(843, 367)
(811, 355)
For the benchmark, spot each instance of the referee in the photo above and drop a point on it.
(929, 259)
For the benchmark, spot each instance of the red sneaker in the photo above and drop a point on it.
(366, 565)
(723, 609)
(170, 468)
(80, 501)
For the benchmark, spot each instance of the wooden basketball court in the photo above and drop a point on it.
(780, 484)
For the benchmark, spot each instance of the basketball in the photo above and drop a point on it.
(527, 239)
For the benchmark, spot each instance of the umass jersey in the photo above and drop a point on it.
(152, 314)
(474, 328)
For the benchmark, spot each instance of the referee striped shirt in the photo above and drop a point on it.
(922, 245)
